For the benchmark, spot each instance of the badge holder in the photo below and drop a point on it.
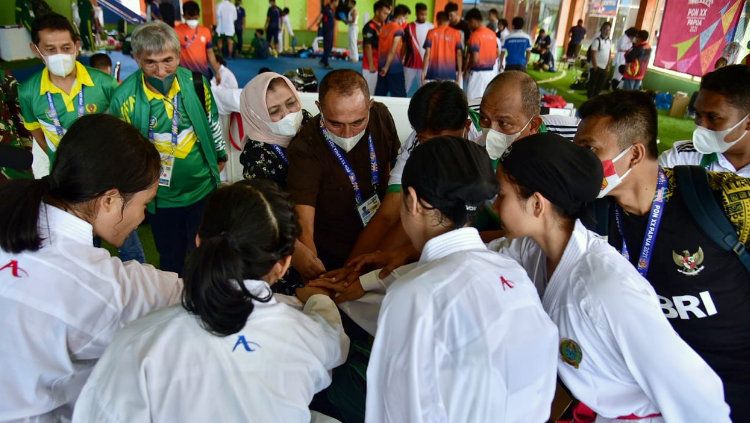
(368, 209)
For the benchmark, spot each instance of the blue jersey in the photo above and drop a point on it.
(517, 43)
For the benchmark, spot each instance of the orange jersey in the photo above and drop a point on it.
(484, 42)
(387, 36)
(445, 43)
(193, 46)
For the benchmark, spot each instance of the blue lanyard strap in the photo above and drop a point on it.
(53, 112)
(175, 121)
(374, 172)
(280, 152)
(649, 238)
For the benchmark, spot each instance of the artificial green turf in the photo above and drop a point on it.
(670, 129)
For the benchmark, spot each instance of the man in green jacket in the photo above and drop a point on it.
(162, 102)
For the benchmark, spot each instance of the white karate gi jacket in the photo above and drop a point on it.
(59, 309)
(631, 361)
(462, 338)
(167, 368)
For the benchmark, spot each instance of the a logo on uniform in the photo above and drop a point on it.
(152, 122)
(570, 352)
(203, 39)
(91, 108)
(15, 269)
(689, 264)
(604, 183)
(249, 346)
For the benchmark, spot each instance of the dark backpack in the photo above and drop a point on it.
(692, 181)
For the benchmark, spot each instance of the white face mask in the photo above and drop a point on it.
(707, 141)
(192, 23)
(611, 178)
(60, 64)
(288, 125)
(345, 143)
(497, 142)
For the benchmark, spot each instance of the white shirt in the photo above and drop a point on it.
(601, 48)
(59, 309)
(623, 45)
(684, 153)
(411, 143)
(226, 14)
(422, 29)
(632, 361)
(462, 338)
(286, 23)
(226, 94)
(167, 368)
(504, 34)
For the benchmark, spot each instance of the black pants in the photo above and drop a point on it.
(597, 79)
(392, 83)
(521, 68)
(174, 231)
(238, 46)
(327, 46)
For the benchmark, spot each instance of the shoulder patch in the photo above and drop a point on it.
(686, 147)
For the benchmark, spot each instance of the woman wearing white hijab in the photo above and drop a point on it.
(271, 116)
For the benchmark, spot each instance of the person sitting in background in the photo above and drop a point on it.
(546, 61)
(260, 46)
(449, 328)
(12, 132)
(272, 115)
(339, 164)
(53, 278)
(196, 45)
(543, 41)
(246, 338)
(102, 62)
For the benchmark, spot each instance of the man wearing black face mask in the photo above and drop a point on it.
(162, 101)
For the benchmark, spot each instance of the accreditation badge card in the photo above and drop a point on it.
(368, 209)
(167, 164)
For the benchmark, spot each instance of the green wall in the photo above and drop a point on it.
(660, 81)
(8, 10)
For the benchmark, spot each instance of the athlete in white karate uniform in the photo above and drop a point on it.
(231, 351)
(618, 354)
(463, 336)
(62, 299)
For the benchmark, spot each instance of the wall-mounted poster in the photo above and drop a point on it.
(694, 33)
(603, 8)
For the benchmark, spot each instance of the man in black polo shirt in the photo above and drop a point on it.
(703, 290)
(339, 164)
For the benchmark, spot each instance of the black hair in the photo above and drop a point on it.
(631, 32)
(259, 31)
(264, 69)
(453, 175)
(401, 10)
(100, 60)
(285, 11)
(247, 228)
(731, 82)
(605, 23)
(633, 117)
(379, 5)
(190, 8)
(474, 14)
(493, 11)
(438, 105)
(53, 22)
(503, 22)
(643, 35)
(342, 81)
(98, 153)
(220, 59)
(451, 7)
(420, 7)
(441, 17)
(518, 22)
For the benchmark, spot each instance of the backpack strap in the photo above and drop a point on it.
(692, 181)
(198, 86)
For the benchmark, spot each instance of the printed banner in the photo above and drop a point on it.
(694, 33)
(603, 8)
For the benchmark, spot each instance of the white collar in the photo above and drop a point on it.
(577, 245)
(260, 289)
(454, 241)
(729, 167)
(57, 222)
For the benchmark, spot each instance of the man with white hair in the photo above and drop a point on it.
(175, 109)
